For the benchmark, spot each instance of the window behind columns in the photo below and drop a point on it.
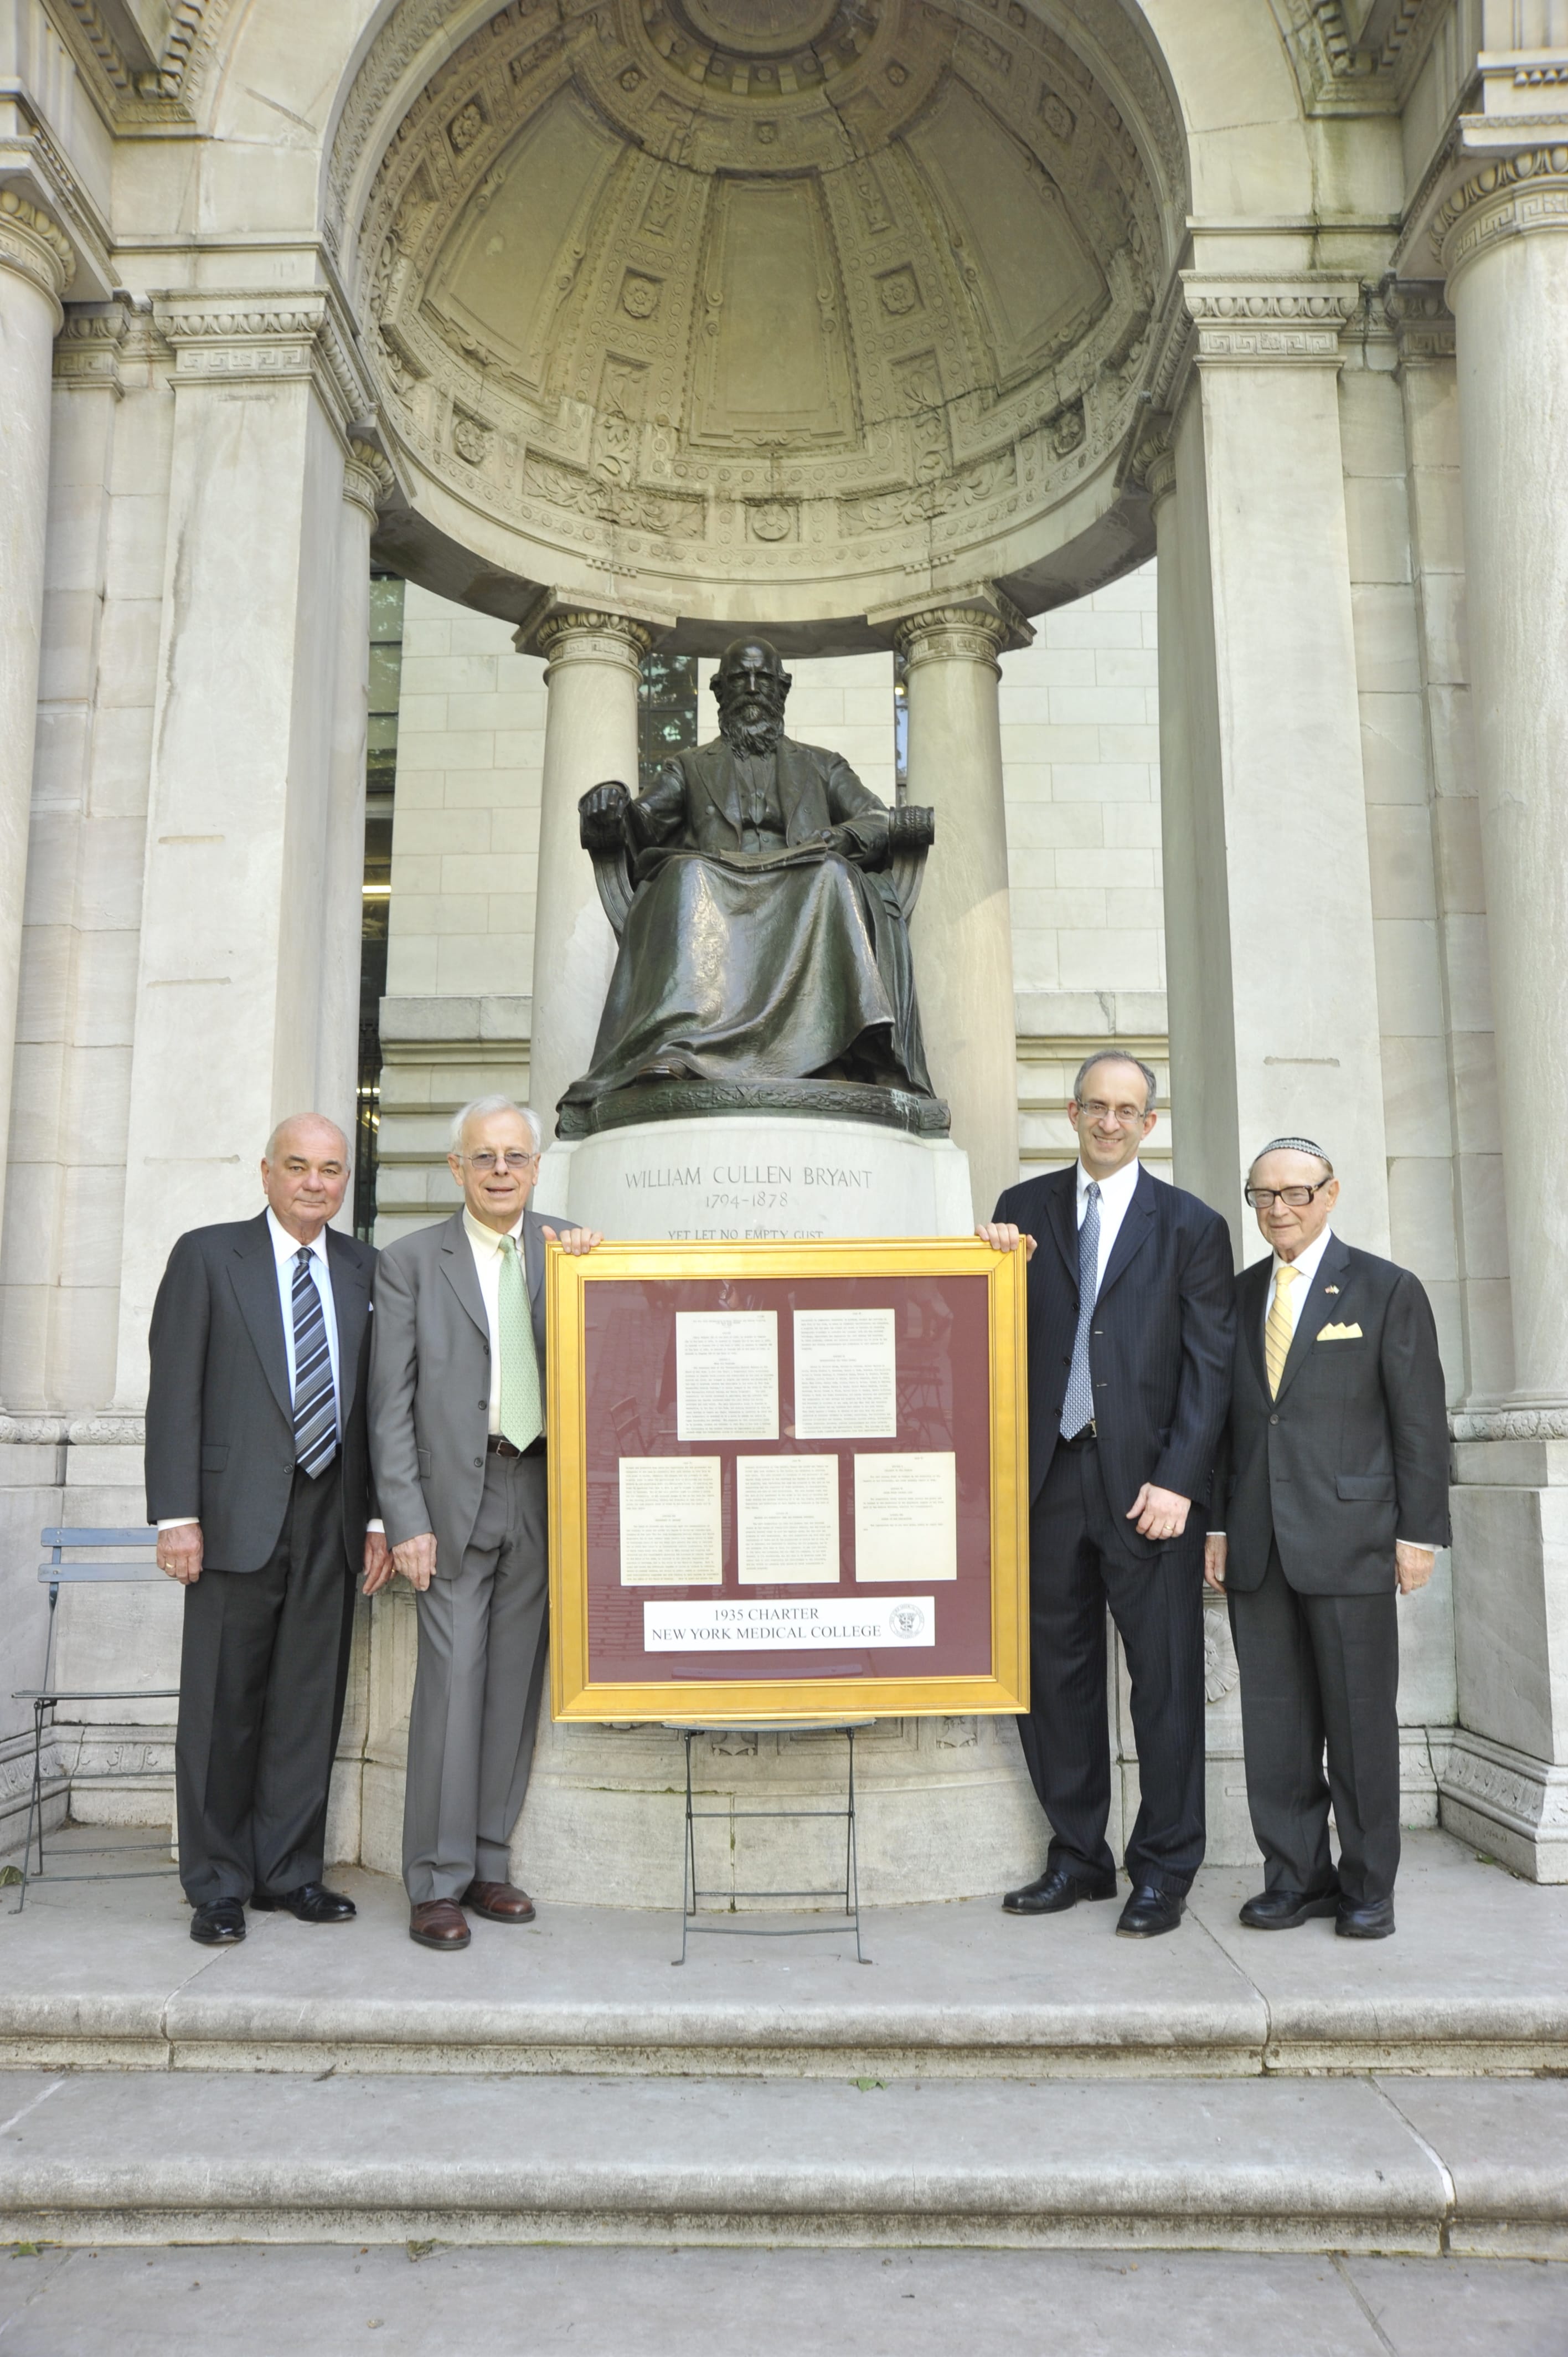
(666, 712)
(381, 779)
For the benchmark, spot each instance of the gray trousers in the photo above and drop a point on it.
(1321, 1671)
(482, 1650)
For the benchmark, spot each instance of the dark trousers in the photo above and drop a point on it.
(1320, 1669)
(482, 1651)
(1078, 1567)
(264, 1670)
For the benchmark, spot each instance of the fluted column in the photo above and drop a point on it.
(36, 266)
(592, 666)
(963, 932)
(1505, 244)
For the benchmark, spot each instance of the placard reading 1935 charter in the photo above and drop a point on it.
(787, 1479)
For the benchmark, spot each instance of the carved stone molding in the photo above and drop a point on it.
(239, 338)
(1153, 466)
(90, 346)
(368, 478)
(1509, 1424)
(1508, 198)
(1525, 1797)
(1422, 322)
(577, 634)
(960, 633)
(108, 1429)
(33, 246)
(1254, 320)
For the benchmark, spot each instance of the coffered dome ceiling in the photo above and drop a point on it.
(768, 307)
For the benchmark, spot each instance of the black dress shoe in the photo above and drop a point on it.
(1282, 1910)
(219, 1924)
(1149, 1912)
(1375, 1920)
(311, 1903)
(1056, 1889)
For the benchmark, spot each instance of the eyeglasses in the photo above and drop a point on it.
(1295, 1198)
(484, 1162)
(1123, 1116)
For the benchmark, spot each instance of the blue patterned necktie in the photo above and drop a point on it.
(1078, 1407)
(315, 1400)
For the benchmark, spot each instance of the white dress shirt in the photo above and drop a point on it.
(485, 1245)
(1305, 1266)
(284, 1247)
(1115, 1198)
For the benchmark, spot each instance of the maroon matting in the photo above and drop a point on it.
(943, 1339)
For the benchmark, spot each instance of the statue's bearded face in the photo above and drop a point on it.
(751, 695)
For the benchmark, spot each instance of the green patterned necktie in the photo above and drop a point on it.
(522, 1420)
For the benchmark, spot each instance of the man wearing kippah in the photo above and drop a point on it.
(1330, 1498)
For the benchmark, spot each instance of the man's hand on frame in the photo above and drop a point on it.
(179, 1552)
(1159, 1513)
(1002, 1236)
(1413, 1566)
(575, 1241)
(415, 1558)
(378, 1566)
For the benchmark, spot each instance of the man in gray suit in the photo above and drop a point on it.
(457, 1441)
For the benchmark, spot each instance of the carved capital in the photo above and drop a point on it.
(1422, 322)
(261, 339)
(962, 632)
(1509, 197)
(1153, 466)
(573, 634)
(33, 246)
(368, 478)
(90, 346)
(1254, 321)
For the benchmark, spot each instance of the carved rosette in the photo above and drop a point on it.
(367, 479)
(977, 634)
(33, 246)
(578, 635)
(1510, 198)
(1262, 321)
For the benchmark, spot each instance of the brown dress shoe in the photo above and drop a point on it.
(438, 1924)
(500, 1903)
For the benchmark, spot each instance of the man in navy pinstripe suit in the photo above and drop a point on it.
(1131, 1321)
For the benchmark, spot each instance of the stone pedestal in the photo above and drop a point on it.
(748, 1177)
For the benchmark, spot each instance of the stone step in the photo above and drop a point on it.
(102, 1976)
(1477, 2167)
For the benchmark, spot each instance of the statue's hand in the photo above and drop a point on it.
(600, 813)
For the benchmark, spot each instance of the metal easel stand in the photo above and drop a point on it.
(849, 1891)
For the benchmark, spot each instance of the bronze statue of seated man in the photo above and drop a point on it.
(762, 896)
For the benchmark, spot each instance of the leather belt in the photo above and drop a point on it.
(1084, 1437)
(500, 1445)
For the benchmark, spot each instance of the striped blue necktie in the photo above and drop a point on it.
(315, 1400)
(1078, 1407)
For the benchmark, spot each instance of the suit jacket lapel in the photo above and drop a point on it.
(714, 768)
(1062, 1205)
(254, 1278)
(1133, 1232)
(457, 1261)
(1320, 1309)
(533, 1266)
(351, 1301)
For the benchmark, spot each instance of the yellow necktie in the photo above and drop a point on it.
(1280, 1330)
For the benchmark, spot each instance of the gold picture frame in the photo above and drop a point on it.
(575, 1694)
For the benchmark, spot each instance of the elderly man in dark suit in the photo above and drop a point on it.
(258, 1478)
(1131, 1321)
(1333, 1494)
(457, 1435)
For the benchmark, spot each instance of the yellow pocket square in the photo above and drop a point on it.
(1340, 1334)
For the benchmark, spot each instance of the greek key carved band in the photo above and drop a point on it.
(1509, 199)
(33, 246)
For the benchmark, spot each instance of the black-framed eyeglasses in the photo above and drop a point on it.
(1295, 1198)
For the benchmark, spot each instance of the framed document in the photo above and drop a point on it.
(787, 1480)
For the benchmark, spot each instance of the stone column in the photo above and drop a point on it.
(1273, 998)
(962, 931)
(35, 266)
(591, 667)
(365, 477)
(1504, 242)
